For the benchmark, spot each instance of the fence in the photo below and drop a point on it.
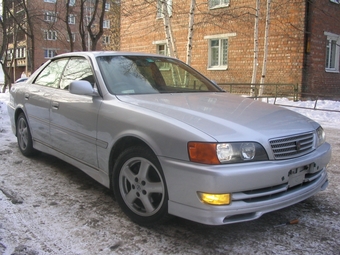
(271, 90)
(275, 91)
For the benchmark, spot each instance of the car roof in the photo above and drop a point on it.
(106, 53)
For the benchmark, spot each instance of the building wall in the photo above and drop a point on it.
(324, 16)
(140, 29)
(36, 51)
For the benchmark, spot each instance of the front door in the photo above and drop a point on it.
(74, 117)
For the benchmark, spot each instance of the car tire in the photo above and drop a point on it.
(24, 136)
(140, 187)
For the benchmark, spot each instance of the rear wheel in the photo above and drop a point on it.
(139, 186)
(24, 136)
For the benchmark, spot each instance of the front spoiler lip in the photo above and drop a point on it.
(240, 211)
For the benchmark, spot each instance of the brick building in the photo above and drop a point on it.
(49, 21)
(304, 39)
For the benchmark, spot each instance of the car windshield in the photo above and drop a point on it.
(151, 75)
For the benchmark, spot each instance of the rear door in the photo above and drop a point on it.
(37, 100)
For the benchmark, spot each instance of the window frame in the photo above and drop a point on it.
(73, 37)
(165, 53)
(219, 37)
(106, 23)
(332, 61)
(50, 16)
(222, 4)
(106, 39)
(20, 52)
(49, 51)
(71, 19)
(50, 35)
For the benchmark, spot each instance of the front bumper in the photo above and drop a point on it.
(256, 188)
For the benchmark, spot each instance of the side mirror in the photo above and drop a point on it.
(82, 88)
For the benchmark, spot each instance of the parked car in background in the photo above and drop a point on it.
(22, 79)
(166, 139)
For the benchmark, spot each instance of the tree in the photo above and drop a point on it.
(265, 51)
(256, 47)
(91, 23)
(190, 30)
(6, 29)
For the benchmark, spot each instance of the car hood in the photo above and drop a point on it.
(225, 116)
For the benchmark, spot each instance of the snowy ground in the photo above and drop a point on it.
(50, 207)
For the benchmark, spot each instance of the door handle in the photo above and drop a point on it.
(27, 96)
(55, 105)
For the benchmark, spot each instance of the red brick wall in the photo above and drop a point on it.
(324, 16)
(286, 43)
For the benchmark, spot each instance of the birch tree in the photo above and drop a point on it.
(265, 51)
(256, 47)
(170, 40)
(190, 30)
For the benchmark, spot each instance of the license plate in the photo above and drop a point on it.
(296, 176)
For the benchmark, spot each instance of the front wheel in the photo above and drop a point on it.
(24, 137)
(139, 186)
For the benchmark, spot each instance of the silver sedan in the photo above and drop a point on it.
(166, 139)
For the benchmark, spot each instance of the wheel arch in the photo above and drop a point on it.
(121, 145)
(17, 112)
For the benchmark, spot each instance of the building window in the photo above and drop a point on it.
(218, 53)
(107, 7)
(20, 52)
(332, 52)
(50, 1)
(160, 9)
(50, 53)
(50, 16)
(335, 1)
(10, 54)
(73, 35)
(106, 24)
(72, 2)
(162, 49)
(218, 3)
(71, 19)
(106, 39)
(50, 35)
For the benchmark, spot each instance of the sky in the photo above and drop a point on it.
(325, 118)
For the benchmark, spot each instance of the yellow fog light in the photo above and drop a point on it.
(215, 199)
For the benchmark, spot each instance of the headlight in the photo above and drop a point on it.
(321, 136)
(217, 153)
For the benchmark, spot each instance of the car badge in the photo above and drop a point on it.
(298, 145)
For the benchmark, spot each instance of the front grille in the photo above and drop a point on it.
(292, 146)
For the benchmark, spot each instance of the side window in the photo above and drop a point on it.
(50, 76)
(77, 69)
(332, 52)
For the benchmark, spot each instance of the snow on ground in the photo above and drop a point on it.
(49, 207)
(323, 113)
